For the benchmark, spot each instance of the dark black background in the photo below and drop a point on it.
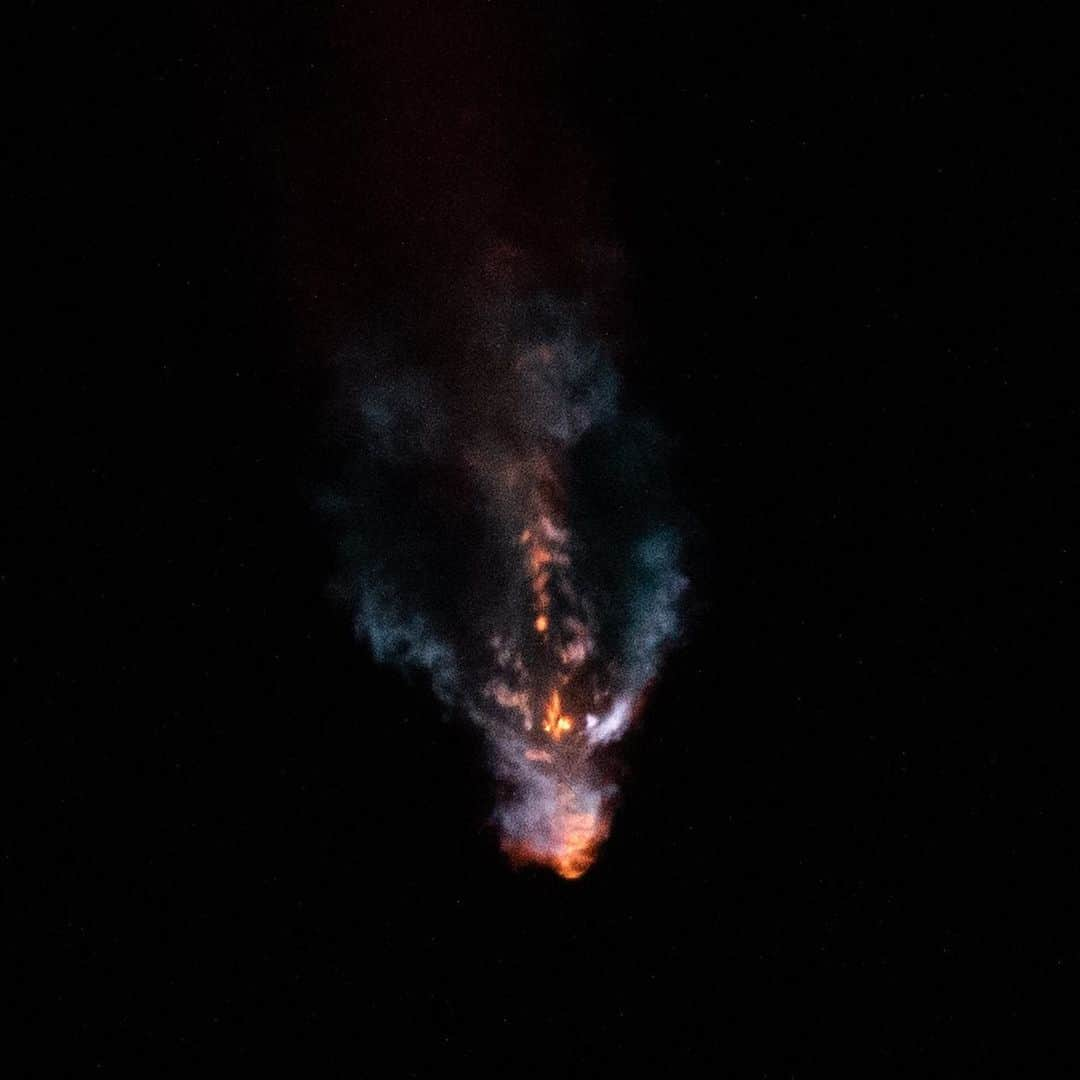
(849, 832)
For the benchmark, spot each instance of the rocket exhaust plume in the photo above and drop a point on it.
(503, 529)
(502, 513)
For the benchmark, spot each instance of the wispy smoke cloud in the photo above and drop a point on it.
(504, 528)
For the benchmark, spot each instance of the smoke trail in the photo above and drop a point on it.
(503, 528)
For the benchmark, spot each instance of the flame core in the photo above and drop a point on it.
(560, 812)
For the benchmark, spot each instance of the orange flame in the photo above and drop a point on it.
(556, 722)
(574, 841)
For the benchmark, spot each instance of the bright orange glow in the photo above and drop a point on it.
(541, 623)
(556, 723)
(572, 847)
(553, 709)
(582, 834)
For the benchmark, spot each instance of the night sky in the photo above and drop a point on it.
(836, 250)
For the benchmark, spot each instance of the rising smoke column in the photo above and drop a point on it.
(504, 529)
